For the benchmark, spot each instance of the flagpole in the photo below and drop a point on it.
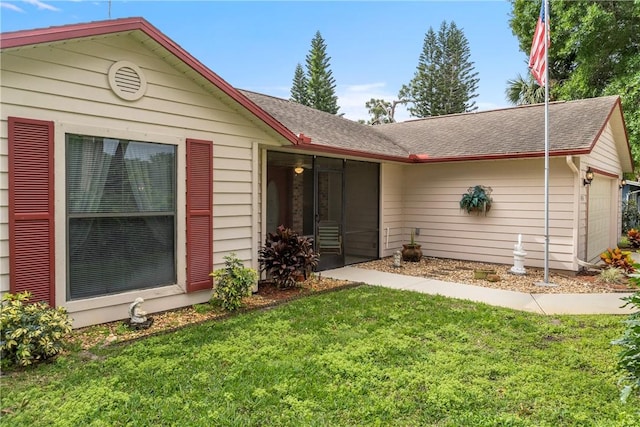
(546, 142)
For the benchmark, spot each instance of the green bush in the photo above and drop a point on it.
(630, 215)
(611, 275)
(232, 283)
(633, 236)
(617, 258)
(629, 357)
(30, 332)
(286, 255)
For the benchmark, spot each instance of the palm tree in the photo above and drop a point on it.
(520, 91)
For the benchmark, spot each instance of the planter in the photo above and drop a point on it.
(482, 273)
(477, 200)
(411, 252)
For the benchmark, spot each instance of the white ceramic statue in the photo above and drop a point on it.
(136, 313)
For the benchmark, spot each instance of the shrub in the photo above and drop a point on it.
(30, 332)
(624, 242)
(232, 283)
(286, 255)
(633, 236)
(619, 259)
(629, 357)
(630, 215)
(611, 275)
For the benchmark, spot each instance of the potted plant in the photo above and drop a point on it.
(412, 251)
(476, 200)
(285, 256)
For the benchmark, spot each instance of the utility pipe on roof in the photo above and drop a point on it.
(576, 172)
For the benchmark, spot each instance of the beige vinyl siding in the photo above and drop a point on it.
(67, 83)
(4, 206)
(392, 233)
(604, 157)
(431, 204)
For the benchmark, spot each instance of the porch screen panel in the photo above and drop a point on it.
(121, 215)
(362, 190)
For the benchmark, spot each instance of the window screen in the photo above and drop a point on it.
(120, 215)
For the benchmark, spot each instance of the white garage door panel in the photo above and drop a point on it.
(600, 218)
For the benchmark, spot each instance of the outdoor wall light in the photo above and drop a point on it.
(588, 177)
(623, 182)
(298, 170)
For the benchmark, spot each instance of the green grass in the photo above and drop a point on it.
(360, 357)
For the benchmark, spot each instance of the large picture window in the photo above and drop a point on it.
(121, 215)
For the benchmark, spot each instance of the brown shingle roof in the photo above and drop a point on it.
(512, 132)
(574, 127)
(327, 130)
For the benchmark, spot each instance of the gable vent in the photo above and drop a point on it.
(127, 80)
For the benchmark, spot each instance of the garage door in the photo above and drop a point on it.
(600, 221)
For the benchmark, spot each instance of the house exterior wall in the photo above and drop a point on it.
(392, 227)
(431, 203)
(67, 84)
(604, 159)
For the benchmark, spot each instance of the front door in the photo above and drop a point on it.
(329, 213)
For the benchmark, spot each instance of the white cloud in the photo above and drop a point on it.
(10, 6)
(41, 5)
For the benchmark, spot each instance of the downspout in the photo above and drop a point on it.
(576, 217)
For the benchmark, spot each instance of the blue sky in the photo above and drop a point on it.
(374, 45)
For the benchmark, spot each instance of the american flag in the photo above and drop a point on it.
(537, 59)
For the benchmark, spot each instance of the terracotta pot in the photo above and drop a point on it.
(411, 253)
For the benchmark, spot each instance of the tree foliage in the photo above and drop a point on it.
(380, 111)
(299, 88)
(594, 51)
(524, 91)
(445, 81)
(316, 88)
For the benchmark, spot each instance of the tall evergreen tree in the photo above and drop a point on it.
(299, 88)
(320, 84)
(445, 81)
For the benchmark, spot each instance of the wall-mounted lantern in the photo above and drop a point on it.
(588, 177)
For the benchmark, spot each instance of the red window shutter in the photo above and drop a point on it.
(199, 214)
(31, 227)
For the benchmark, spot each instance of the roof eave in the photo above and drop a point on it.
(509, 156)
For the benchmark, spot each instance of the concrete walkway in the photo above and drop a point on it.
(541, 303)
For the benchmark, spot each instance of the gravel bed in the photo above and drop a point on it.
(456, 271)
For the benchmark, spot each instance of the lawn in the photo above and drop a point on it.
(364, 356)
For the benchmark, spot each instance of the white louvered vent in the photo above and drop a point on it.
(127, 80)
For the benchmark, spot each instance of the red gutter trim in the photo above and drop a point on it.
(533, 154)
(413, 158)
(604, 125)
(67, 32)
(618, 104)
(605, 173)
(624, 127)
(304, 139)
(346, 152)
